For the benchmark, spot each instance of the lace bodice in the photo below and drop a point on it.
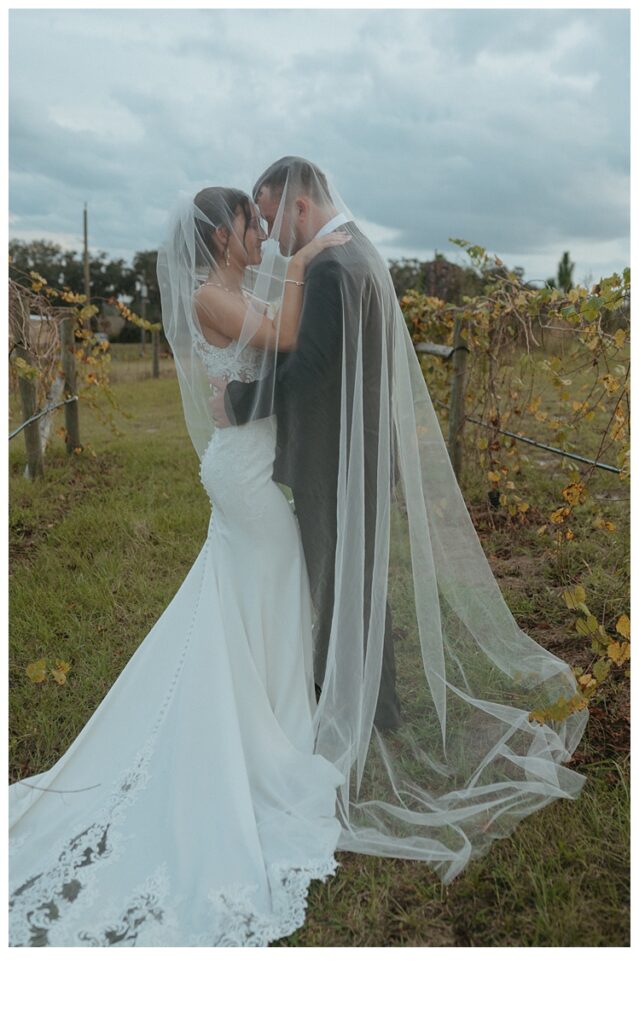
(245, 365)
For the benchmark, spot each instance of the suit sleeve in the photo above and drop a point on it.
(302, 371)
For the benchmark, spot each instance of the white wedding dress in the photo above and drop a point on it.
(191, 809)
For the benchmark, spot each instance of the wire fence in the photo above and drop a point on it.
(38, 415)
(447, 352)
(537, 444)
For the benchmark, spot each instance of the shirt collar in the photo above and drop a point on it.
(341, 218)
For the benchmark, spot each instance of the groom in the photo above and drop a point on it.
(305, 392)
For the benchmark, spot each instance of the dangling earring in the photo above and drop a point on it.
(227, 258)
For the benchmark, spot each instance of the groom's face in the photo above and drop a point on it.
(268, 202)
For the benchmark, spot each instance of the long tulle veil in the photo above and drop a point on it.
(426, 681)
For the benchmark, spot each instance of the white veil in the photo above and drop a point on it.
(425, 680)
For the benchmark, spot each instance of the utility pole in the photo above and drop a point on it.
(87, 279)
(144, 291)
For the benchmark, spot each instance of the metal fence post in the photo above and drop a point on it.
(457, 398)
(71, 412)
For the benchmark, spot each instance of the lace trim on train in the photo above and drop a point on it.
(38, 906)
(42, 909)
(150, 921)
(241, 925)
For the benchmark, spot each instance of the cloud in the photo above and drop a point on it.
(509, 128)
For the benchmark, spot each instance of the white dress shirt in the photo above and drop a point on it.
(341, 218)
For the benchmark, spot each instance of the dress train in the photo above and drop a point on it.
(191, 810)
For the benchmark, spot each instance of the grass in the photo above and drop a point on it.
(100, 547)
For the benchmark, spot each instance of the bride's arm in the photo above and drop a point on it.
(225, 312)
(288, 319)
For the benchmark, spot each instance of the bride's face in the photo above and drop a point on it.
(245, 244)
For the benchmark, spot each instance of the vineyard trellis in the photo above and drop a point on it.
(486, 331)
(500, 333)
(458, 415)
(63, 354)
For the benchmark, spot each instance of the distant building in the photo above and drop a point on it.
(110, 324)
(42, 331)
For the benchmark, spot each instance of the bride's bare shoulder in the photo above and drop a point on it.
(207, 296)
(207, 306)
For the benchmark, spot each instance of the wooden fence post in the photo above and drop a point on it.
(71, 413)
(457, 395)
(155, 342)
(32, 436)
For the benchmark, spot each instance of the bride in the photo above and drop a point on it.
(212, 784)
(191, 809)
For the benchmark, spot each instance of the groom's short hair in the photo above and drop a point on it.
(305, 177)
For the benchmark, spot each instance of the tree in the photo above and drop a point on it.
(564, 272)
(64, 269)
(437, 277)
(144, 268)
(46, 258)
(564, 280)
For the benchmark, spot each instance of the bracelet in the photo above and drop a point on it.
(289, 280)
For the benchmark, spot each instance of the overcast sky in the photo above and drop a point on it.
(507, 128)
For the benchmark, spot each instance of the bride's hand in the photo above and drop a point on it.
(308, 252)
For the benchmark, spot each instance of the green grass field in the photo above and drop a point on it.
(100, 547)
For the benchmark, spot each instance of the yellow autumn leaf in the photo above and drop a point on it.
(587, 626)
(623, 626)
(24, 369)
(619, 653)
(610, 383)
(573, 493)
(87, 312)
(560, 710)
(601, 669)
(37, 670)
(574, 597)
(620, 338)
(587, 682)
(560, 514)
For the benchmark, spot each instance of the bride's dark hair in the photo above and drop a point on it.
(219, 206)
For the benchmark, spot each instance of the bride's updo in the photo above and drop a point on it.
(219, 207)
